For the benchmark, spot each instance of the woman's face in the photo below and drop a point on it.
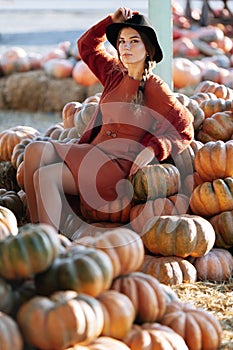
(131, 47)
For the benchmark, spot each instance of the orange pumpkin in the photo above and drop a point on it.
(154, 336)
(173, 205)
(200, 329)
(58, 68)
(185, 72)
(139, 286)
(178, 235)
(12, 136)
(212, 198)
(217, 127)
(169, 270)
(212, 106)
(62, 320)
(220, 90)
(119, 313)
(83, 75)
(215, 160)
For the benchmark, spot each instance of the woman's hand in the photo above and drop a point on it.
(122, 14)
(142, 159)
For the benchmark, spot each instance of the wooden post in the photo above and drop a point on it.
(160, 15)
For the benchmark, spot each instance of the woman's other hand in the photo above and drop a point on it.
(142, 159)
(123, 13)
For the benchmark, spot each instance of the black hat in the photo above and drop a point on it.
(139, 23)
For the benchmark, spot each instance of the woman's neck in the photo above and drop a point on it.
(135, 73)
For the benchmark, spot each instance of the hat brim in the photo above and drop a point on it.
(113, 29)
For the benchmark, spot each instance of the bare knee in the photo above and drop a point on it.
(40, 153)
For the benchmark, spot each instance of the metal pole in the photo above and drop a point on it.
(160, 15)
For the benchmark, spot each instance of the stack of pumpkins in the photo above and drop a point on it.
(61, 295)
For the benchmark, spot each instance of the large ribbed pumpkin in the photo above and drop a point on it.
(212, 197)
(215, 266)
(215, 160)
(179, 235)
(82, 269)
(217, 127)
(172, 205)
(223, 227)
(10, 335)
(31, 251)
(215, 105)
(139, 287)
(154, 181)
(154, 336)
(61, 320)
(200, 329)
(119, 313)
(169, 270)
(124, 247)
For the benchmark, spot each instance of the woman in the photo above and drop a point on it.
(138, 120)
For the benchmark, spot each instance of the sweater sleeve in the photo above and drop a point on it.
(172, 130)
(93, 52)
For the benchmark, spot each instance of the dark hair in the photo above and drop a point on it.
(149, 65)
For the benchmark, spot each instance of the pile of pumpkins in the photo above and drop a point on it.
(107, 284)
(90, 294)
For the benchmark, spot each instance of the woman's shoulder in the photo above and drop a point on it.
(156, 84)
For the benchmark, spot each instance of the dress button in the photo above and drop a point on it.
(113, 134)
(108, 132)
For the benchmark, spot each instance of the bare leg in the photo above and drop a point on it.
(52, 183)
(37, 154)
